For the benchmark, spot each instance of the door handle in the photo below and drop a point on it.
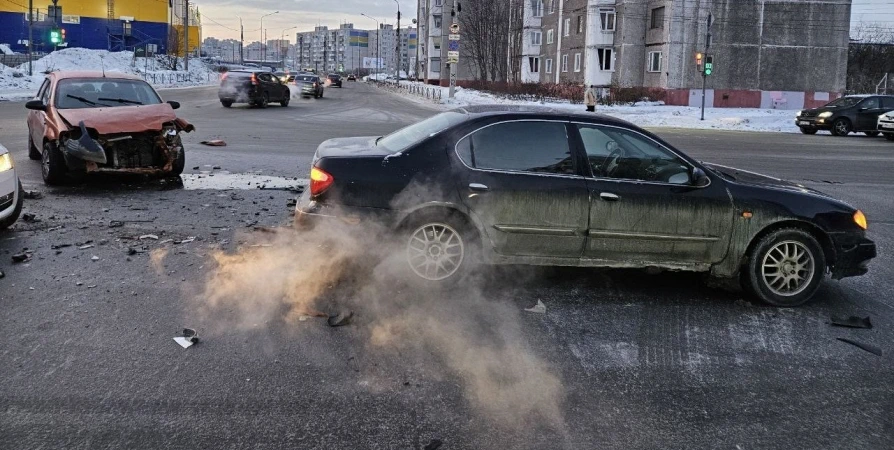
(609, 197)
(478, 187)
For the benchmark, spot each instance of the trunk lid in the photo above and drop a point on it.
(352, 147)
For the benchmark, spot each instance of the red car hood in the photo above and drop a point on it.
(121, 119)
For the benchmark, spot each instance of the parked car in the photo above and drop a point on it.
(83, 122)
(310, 85)
(519, 185)
(352, 77)
(852, 113)
(334, 80)
(11, 193)
(256, 88)
(886, 125)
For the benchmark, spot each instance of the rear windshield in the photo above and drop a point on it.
(78, 93)
(845, 102)
(239, 74)
(334, 77)
(306, 78)
(405, 138)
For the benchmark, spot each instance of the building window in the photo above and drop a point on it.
(436, 41)
(537, 8)
(126, 28)
(658, 18)
(580, 24)
(577, 62)
(549, 36)
(654, 61)
(534, 63)
(536, 38)
(435, 65)
(438, 3)
(567, 28)
(437, 18)
(551, 6)
(549, 66)
(564, 63)
(607, 18)
(606, 59)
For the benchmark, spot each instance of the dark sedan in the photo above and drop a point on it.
(842, 116)
(334, 80)
(252, 87)
(535, 186)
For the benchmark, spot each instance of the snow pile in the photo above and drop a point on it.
(4, 49)
(15, 83)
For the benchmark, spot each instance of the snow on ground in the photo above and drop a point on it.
(647, 114)
(16, 84)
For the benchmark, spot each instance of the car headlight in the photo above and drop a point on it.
(860, 219)
(825, 114)
(798, 114)
(5, 162)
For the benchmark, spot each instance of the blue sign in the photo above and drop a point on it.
(453, 46)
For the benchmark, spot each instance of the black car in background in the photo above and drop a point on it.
(352, 77)
(253, 87)
(517, 185)
(852, 113)
(334, 80)
(310, 85)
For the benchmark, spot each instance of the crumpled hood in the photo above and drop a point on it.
(755, 179)
(121, 119)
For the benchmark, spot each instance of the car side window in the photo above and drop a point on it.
(869, 103)
(887, 102)
(44, 92)
(525, 146)
(265, 77)
(625, 154)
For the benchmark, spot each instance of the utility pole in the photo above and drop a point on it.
(709, 22)
(186, 35)
(325, 51)
(398, 42)
(241, 41)
(30, 34)
(454, 13)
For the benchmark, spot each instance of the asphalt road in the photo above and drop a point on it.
(621, 359)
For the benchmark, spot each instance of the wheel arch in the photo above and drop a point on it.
(821, 236)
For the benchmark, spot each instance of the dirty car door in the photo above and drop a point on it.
(644, 209)
(519, 180)
(867, 114)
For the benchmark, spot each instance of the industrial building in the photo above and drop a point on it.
(765, 53)
(114, 25)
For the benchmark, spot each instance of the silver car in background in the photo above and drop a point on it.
(886, 125)
(310, 85)
(11, 193)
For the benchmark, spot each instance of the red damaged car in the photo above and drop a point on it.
(83, 122)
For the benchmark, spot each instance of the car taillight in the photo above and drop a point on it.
(254, 80)
(223, 76)
(320, 180)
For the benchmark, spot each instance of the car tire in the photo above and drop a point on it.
(786, 267)
(889, 136)
(7, 222)
(33, 152)
(871, 133)
(264, 101)
(841, 127)
(284, 102)
(808, 130)
(226, 104)
(180, 162)
(426, 240)
(53, 167)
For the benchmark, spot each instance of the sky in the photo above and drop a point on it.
(219, 17)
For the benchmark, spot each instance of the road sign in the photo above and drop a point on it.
(452, 57)
(453, 46)
(454, 29)
(453, 37)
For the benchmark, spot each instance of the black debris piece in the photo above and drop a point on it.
(21, 257)
(191, 334)
(435, 444)
(33, 195)
(115, 224)
(868, 347)
(292, 202)
(341, 319)
(58, 246)
(2, 274)
(195, 168)
(851, 322)
(28, 217)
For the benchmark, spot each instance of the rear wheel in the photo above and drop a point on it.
(808, 130)
(53, 168)
(438, 249)
(841, 127)
(264, 101)
(226, 103)
(871, 133)
(33, 152)
(786, 267)
(889, 136)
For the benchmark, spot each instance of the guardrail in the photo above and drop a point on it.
(421, 90)
(169, 78)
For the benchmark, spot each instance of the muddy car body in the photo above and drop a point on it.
(83, 122)
(532, 186)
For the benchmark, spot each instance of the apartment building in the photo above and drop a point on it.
(336, 50)
(434, 19)
(766, 53)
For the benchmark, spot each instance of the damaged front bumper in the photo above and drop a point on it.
(853, 251)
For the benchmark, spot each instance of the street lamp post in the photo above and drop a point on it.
(282, 37)
(263, 35)
(398, 46)
(241, 41)
(378, 43)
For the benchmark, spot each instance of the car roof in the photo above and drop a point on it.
(65, 74)
(478, 111)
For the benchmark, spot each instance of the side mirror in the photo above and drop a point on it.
(174, 105)
(36, 105)
(699, 178)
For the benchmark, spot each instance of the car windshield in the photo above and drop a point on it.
(76, 93)
(845, 102)
(404, 138)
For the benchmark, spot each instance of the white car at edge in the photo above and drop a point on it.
(11, 193)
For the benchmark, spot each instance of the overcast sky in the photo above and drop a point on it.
(219, 17)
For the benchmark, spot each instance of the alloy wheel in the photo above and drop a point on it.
(787, 268)
(435, 251)
(842, 127)
(45, 162)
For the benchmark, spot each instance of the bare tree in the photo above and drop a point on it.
(486, 26)
(170, 61)
(870, 57)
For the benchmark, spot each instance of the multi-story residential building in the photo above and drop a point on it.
(226, 50)
(337, 50)
(765, 53)
(434, 19)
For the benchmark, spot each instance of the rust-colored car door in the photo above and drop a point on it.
(37, 120)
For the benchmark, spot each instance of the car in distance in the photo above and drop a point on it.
(84, 122)
(352, 77)
(851, 113)
(255, 87)
(525, 185)
(334, 80)
(11, 193)
(886, 125)
(310, 85)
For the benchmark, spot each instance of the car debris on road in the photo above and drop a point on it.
(851, 322)
(539, 308)
(868, 347)
(190, 337)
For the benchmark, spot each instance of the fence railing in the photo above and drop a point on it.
(170, 78)
(433, 93)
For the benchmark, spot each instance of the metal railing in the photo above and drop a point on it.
(172, 78)
(882, 86)
(433, 93)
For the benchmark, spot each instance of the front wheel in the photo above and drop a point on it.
(284, 102)
(53, 166)
(180, 161)
(786, 267)
(808, 130)
(841, 127)
(871, 133)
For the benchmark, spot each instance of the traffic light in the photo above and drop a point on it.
(55, 36)
(699, 60)
(62, 35)
(709, 64)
